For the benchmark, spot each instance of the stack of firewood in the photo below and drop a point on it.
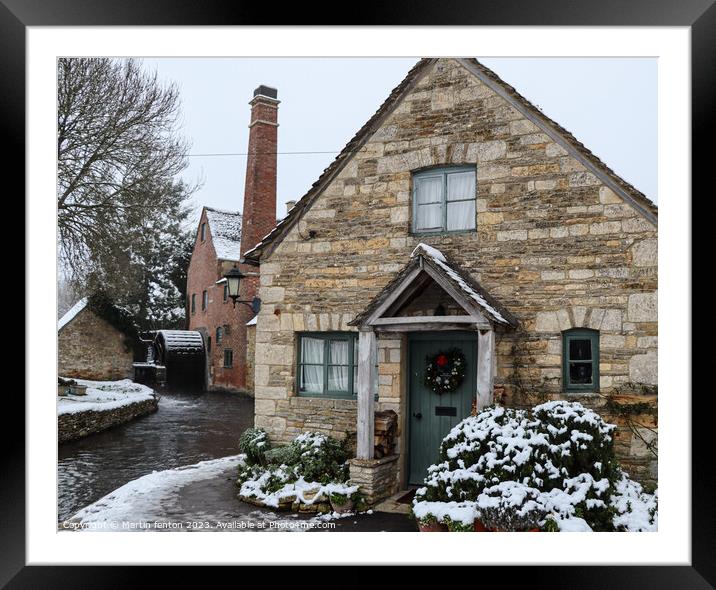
(386, 429)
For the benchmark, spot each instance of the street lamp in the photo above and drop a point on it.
(233, 280)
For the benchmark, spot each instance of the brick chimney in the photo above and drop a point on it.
(259, 215)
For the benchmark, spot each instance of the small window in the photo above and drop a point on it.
(208, 344)
(228, 358)
(193, 303)
(444, 200)
(226, 293)
(327, 364)
(204, 300)
(580, 360)
(203, 232)
(218, 335)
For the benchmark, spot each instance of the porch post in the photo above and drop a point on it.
(367, 354)
(485, 363)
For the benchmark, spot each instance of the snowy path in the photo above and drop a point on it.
(203, 497)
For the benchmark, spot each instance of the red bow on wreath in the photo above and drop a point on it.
(441, 360)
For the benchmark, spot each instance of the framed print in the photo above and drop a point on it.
(370, 280)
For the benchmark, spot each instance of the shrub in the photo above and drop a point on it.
(520, 470)
(283, 455)
(254, 443)
(321, 458)
(312, 461)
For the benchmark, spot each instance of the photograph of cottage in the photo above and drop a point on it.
(454, 328)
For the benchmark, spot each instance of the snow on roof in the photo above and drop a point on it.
(252, 322)
(438, 258)
(225, 229)
(72, 313)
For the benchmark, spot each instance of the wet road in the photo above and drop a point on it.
(187, 428)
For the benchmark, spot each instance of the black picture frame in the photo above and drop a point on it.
(699, 15)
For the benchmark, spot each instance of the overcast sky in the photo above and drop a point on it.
(609, 104)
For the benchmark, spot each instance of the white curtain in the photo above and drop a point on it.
(461, 215)
(461, 212)
(312, 373)
(428, 200)
(461, 186)
(338, 375)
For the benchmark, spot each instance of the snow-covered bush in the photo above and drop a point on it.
(320, 458)
(283, 455)
(520, 470)
(311, 469)
(254, 443)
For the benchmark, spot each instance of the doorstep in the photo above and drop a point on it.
(393, 505)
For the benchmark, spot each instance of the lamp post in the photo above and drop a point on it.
(233, 280)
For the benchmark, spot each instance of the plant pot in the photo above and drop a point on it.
(63, 390)
(432, 527)
(479, 527)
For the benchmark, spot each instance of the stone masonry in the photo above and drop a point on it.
(554, 244)
(89, 347)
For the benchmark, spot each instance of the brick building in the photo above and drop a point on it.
(459, 217)
(90, 347)
(221, 239)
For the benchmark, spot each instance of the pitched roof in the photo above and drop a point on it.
(225, 229)
(620, 186)
(461, 281)
(71, 313)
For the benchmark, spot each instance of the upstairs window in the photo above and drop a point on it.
(193, 303)
(226, 293)
(219, 335)
(204, 300)
(202, 232)
(444, 200)
(580, 360)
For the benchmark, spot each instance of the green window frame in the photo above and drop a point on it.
(218, 335)
(580, 360)
(441, 179)
(322, 371)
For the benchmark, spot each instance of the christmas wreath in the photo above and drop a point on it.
(445, 371)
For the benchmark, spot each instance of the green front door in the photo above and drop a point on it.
(431, 415)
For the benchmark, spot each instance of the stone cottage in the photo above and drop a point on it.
(90, 347)
(459, 223)
(221, 239)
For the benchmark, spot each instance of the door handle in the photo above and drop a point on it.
(417, 415)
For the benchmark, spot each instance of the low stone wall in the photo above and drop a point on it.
(376, 479)
(76, 425)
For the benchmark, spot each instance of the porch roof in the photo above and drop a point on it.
(467, 292)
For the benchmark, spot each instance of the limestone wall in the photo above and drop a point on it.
(72, 426)
(88, 347)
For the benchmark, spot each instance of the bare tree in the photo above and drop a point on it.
(119, 155)
(115, 139)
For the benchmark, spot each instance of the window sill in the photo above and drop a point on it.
(343, 396)
(418, 234)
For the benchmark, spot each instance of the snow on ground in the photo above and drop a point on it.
(104, 395)
(142, 499)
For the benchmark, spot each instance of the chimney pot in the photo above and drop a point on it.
(290, 205)
(267, 91)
